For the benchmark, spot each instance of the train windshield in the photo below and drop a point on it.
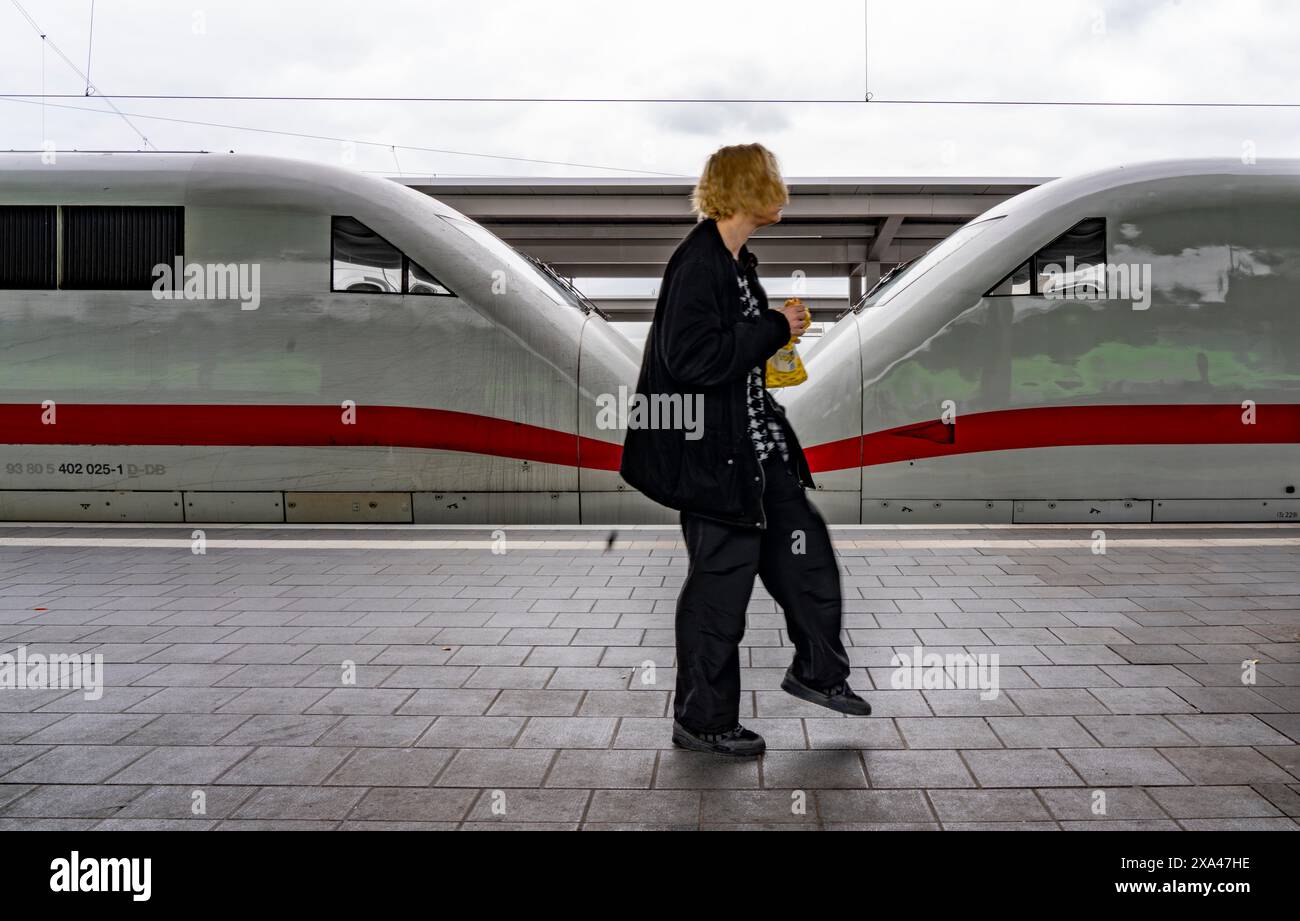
(918, 267)
(512, 258)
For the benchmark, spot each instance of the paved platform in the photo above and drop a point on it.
(530, 687)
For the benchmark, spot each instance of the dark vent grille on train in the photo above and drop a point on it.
(28, 256)
(116, 249)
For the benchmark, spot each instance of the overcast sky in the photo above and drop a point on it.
(1126, 50)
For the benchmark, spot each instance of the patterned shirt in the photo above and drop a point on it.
(764, 431)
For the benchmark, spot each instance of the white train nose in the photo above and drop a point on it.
(1113, 347)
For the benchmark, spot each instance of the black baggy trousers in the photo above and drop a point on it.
(794, 558)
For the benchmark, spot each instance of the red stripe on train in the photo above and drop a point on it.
(301, 426)
(448, 430)
(1064, 426)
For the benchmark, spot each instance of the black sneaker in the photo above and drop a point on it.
(840, 698)
(739, 742)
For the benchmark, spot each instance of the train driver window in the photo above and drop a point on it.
(364, 262)
(1071, 266)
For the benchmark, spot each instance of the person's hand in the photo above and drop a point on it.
(797, 315)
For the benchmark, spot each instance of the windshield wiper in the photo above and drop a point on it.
(884, 280)
(585, 304)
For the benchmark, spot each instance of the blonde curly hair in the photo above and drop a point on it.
(742, 177)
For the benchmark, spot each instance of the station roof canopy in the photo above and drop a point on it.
(834, 227)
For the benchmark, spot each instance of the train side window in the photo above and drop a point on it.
(28, 247)
(1018, 282)
(116, 248)
(364, 262)
(420, 281)
(1072, 265)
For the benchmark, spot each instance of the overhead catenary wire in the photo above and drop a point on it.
(683, 100)
(344, 140)
(866, 50)
(90, 45)
(45, 39)
(868, 99)
(44, 134)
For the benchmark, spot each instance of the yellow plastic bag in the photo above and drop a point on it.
(785, 368)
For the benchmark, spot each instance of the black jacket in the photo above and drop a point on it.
(699, 343)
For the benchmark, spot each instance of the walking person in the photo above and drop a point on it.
(739, 484)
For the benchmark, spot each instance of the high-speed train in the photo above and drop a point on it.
(1118, 346)
(228, 338)
(326, 346)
